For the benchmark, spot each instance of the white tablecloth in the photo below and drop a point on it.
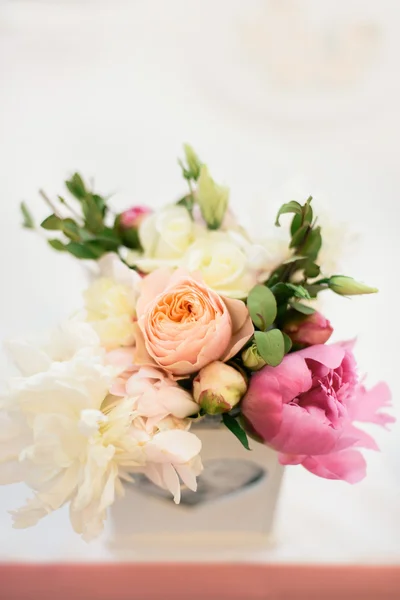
(283, 100)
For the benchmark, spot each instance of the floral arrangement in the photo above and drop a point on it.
(187, 318)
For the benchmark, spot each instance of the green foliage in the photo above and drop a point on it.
(271, 346)
(27, 219)
(262, 307)
(234, 426)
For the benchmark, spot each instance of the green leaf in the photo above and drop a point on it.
(299, 237)
(271, 346)
(299, 291)
(71, 230)
(100, 203)
(232, 424)
(89, 251)
(93, 214)
(302, 308)
(290, 207)
(313, 244)
(262, 306)
(52, 223)
(282, 292)
(27, 219)
(287, 341)
(76, 186)
(57, 245)
(312, 270)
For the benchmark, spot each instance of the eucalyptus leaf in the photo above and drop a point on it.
(27, 219)
(302, 308)
(52, 223)
(288, 342)
(232, 424)
(271, 346)
(290, 207)
(262, 307)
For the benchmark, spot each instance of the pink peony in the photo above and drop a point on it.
(184, 325)
(306, 408)
(307, 330)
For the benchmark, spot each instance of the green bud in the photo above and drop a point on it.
(347, 286)
(252, 359)
(193, 162)
(212, 199)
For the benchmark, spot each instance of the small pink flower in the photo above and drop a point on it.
(131, 218)
(307, 330)
(185, 325)
(306, 408)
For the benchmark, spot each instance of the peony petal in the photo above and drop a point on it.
(175, 445)
(367, 403)
(171, 481)
(262, 405)
(303, 433)
(330, 355)
(348, 465)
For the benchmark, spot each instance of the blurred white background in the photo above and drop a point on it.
(282, 99)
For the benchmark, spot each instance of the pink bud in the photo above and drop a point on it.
(131, 218)
(307, 330)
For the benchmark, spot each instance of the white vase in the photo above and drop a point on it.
(233, 507)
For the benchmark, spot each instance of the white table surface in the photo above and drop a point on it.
(282, 100)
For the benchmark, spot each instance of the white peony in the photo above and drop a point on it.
(110, 303)
(72, 442)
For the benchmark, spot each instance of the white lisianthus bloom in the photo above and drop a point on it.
(110, 303)
(72, 442)
(165, 236)
(229, 263)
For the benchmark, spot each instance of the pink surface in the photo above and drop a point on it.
(198, 582)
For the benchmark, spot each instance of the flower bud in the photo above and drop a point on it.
(193, 161)
(131, 218)
(307, 330)
(218, 388)
(212, 199)
(347, 286)
(128, 224)
(252, 359)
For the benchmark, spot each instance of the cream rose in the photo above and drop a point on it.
(228, 262)
(165, 237)
(184, 325)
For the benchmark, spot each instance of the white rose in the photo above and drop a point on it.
(165, 237)
(227, 261)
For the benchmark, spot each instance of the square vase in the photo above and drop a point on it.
(234, 505)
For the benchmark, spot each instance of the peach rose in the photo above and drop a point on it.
(183, 325)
